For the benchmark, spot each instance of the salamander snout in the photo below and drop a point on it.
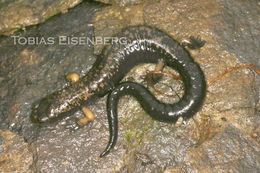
(35, 116)
(41, 111)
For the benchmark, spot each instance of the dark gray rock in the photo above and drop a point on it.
(239, 29)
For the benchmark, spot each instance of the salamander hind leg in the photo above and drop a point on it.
(159, 67)
(194, 43)
(155, 78)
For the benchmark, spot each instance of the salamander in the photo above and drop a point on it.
(143, 45)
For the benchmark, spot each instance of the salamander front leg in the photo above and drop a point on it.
(112, 122)
(72, 77)
(77, 123)
(89, 116)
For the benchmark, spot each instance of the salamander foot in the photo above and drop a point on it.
(155, 77)
(193, 43)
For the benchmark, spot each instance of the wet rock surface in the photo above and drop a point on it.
(223, 137)
(236, 39)
(15, 15)
(226, 155)
(124, 2)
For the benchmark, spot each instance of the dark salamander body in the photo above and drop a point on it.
(144, 45)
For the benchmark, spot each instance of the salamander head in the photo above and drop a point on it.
(42, 111)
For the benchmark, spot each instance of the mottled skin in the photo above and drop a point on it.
(144, 45)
